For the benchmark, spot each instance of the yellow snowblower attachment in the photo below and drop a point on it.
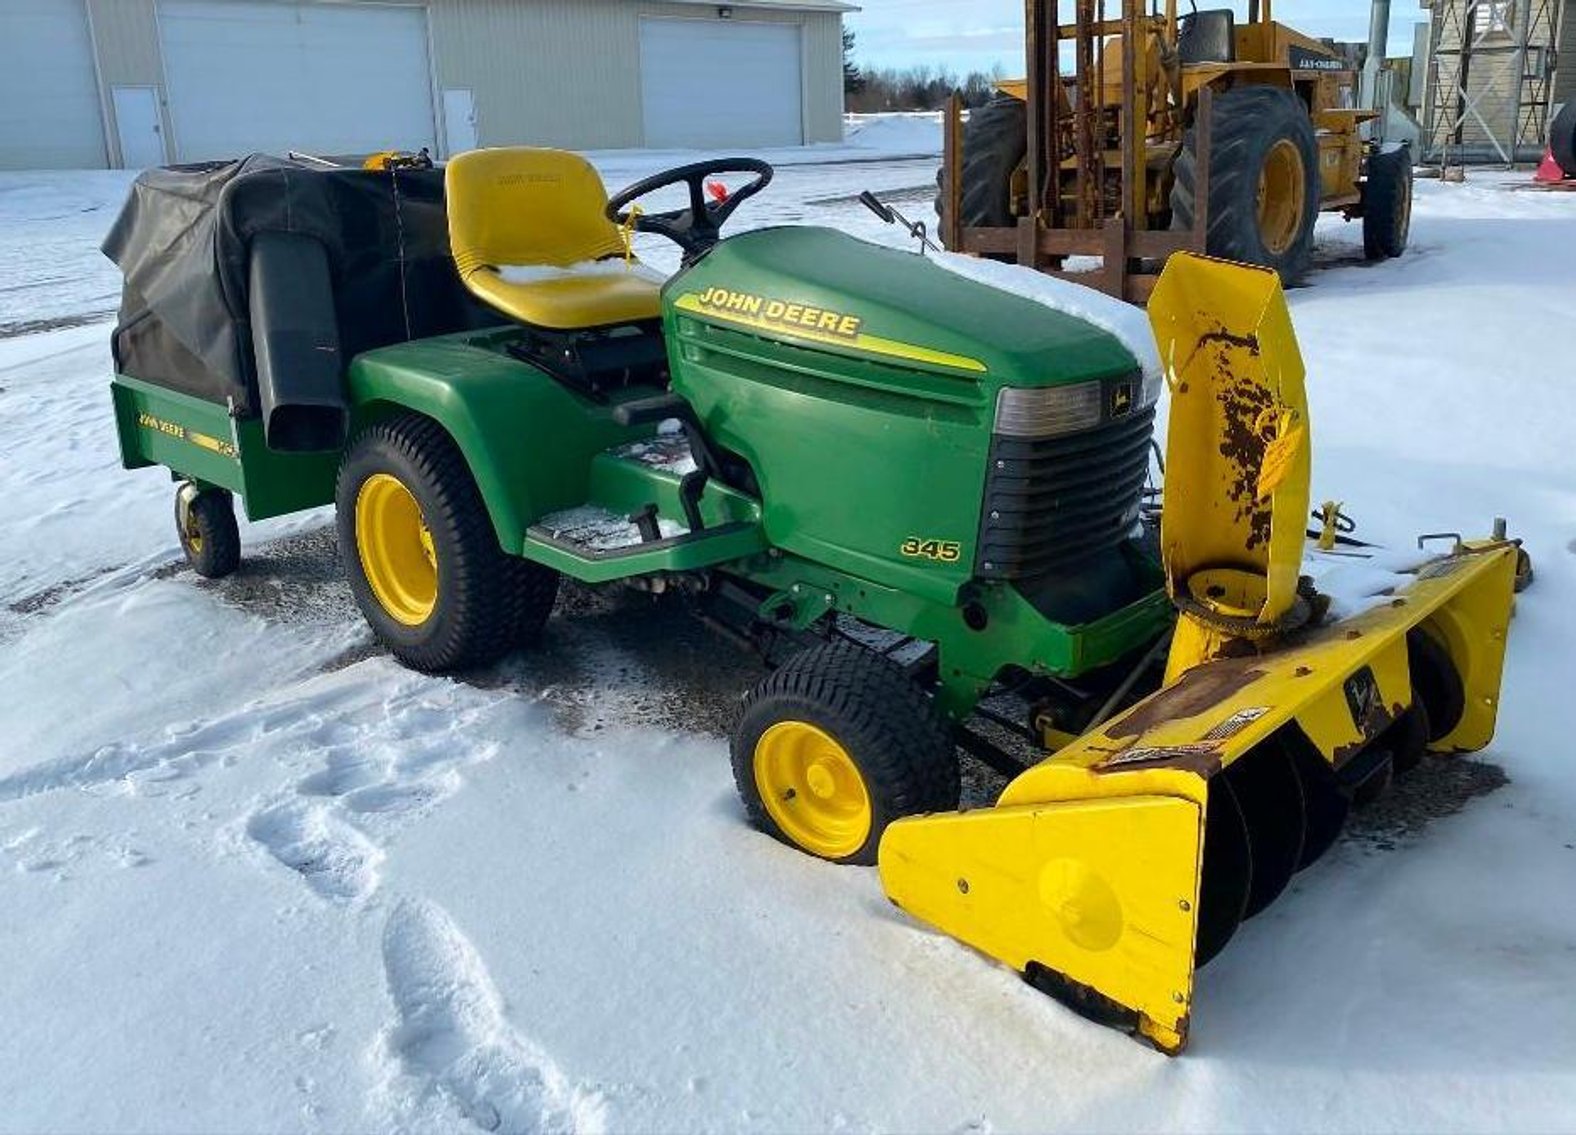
(1107, 873)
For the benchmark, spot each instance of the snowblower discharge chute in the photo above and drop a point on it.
(1109, 872)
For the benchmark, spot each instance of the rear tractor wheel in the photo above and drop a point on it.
(205, 523)
(1263, 181)
(423, 560)
(835, 745)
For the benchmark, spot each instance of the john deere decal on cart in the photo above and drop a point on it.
(807, 435)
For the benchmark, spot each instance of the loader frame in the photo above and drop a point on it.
(1045, 237)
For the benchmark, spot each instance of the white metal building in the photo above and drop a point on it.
(131, 83)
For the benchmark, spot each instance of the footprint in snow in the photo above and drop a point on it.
(336, 859)
(453, 1046)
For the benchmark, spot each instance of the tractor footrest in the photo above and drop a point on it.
(594, 532)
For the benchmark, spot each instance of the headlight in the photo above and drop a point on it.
(1048, 411)
(1052, 411)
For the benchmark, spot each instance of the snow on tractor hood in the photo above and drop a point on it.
(1128, 323)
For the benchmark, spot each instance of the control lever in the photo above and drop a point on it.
(890, 215)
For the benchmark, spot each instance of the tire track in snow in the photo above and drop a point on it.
(452, 1048)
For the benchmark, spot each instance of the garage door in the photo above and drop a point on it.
(321, 78)
(49, 104)
(720, 83)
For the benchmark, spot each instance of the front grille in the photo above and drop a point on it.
(1050, 502)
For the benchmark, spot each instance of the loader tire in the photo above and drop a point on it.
(835, 745)
(995, 141)
(205, 523)
(421, 554)
(1562, 138)
(1263, 181)
(1387, 204)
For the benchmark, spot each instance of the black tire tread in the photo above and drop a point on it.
(536, 590)
(1386, 204)
(484, 609)
(212, 511)
(888, 724)
(995, 140)
(1240, 119)
(1562, 138)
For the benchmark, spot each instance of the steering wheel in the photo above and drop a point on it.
(697, 228)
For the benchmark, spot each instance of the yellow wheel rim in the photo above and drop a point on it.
(812, 789)
(396, 550)
(1283, 195)
(190, 530)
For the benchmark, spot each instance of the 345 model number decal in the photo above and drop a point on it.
(942, 551)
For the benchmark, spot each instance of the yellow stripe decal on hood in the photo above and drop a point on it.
(766, 316)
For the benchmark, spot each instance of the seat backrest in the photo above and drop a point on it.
(1209, 36)
(521, 205)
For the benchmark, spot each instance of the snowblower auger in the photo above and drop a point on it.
(1110, 871)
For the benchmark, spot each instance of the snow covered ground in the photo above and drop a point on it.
(257, 877)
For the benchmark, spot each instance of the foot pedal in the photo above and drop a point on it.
(645, 522)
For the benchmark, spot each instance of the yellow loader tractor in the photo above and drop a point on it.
(1139, 136)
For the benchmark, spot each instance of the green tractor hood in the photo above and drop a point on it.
(819, 286)
(862, 386)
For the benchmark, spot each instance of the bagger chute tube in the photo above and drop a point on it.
(1110, 871)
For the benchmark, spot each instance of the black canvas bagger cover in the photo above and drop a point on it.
(182, 243)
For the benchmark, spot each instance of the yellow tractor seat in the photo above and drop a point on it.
(528, 231)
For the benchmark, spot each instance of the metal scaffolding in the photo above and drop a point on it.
(1490, 77)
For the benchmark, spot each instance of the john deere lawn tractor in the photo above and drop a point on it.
(916, 491)
(1147, 133)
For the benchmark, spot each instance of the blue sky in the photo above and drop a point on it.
(968, 35)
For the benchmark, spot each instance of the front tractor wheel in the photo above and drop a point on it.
(421, 555)
(1387, 204)
(834, 746)
(1263, 181)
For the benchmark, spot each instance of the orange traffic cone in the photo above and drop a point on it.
(1548, 169)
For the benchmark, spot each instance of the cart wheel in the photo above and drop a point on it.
(205, 523)
(834, 746)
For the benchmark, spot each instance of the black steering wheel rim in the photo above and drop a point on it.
(698, 227)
